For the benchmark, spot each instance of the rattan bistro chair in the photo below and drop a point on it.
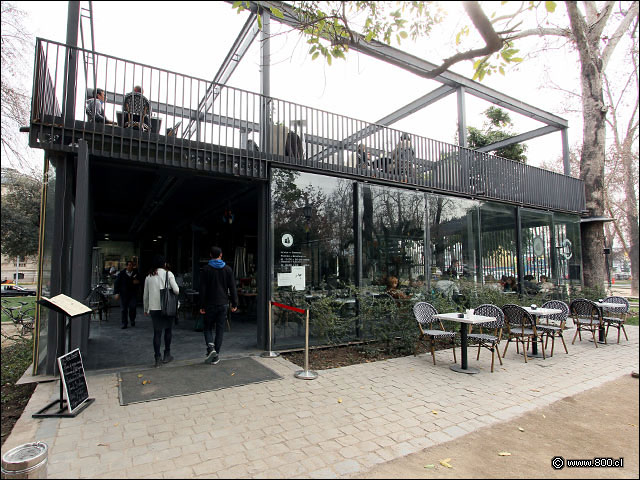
(136, 111)
(521, 326)
(555, 329)
(488, 340)
(586, 316)
(618, 315)
(424, 313)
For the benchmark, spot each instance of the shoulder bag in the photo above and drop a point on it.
(168, 299)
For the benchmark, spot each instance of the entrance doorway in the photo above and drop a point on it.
(139, 212)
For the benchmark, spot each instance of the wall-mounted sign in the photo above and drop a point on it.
(287, 240)
(538, 246)
(567, 249)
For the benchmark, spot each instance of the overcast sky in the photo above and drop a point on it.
(193, 38)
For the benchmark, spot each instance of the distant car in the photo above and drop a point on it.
(622, 275)
(9, 290)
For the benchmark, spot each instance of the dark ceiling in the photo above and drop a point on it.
(133, 203)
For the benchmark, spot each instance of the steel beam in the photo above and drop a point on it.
(462, 118)
(565, 151)
(523, 137)
(418, 104)
(422, 68)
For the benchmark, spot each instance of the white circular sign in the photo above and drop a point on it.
(287, 240)
(567, 251)
(538, 246)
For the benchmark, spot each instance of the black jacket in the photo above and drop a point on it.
(124, 283)
(217, 287)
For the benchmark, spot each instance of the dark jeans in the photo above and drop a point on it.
(161, 322)
(215, 315)
(128, 309)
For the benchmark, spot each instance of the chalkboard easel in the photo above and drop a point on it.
(70, 367)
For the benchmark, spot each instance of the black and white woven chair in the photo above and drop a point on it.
(618, 315)
(424, 313)
(586, 316)
(521, 326)
(136, 111)
(485, 339)
(559, 320)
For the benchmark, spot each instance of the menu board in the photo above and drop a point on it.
(73, 379)
(68, 305)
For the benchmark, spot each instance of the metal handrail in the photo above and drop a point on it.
(241, 131)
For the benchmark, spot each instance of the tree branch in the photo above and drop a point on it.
(541, 32)
(597, 25)
(631, 14)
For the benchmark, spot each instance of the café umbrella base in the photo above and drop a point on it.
(459, 369)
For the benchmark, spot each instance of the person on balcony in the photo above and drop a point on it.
(403, 158)
(95, 108)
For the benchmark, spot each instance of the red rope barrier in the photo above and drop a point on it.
(295, 309)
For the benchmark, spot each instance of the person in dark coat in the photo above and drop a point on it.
(217, 289)
(126, 289)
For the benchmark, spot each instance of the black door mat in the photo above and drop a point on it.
(151, 384)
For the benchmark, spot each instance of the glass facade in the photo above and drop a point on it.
(333, 238)
(44, 277)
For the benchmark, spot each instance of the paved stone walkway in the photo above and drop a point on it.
(343, 423)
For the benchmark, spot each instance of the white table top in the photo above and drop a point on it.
(608, 305)
(542, 311)
(472, 319)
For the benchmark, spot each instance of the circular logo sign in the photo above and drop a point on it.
(566, 251)
(538, 246)
(287, 240)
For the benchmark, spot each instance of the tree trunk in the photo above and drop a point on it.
(593, 148)
(632, 217)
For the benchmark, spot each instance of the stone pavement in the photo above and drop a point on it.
(343, 423)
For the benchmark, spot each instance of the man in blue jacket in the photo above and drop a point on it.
(217, 288)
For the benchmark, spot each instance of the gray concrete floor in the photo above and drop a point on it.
(111, 347)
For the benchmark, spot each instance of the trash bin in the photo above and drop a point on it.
(26, 461)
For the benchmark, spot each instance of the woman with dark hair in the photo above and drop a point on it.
(156, 280)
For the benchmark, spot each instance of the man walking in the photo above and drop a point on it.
(126, 288)
(217, 288)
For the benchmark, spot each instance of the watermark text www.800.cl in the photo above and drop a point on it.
(558, 463)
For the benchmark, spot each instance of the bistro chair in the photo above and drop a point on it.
(619, 315)
(136, 111)
(520, 326)
(489, 340)
(559, 320)
(586, 316)
(425, 316)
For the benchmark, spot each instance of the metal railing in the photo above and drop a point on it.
(239, 132)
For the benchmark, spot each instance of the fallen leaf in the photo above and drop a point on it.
(362, 386)
(139, 375)
(339, 400)
(431, 465)
(633, 424)
(534, 390)
(521, 429)
(119, 379)
(144, 382)
(435, 412)
(544, 416)
(233, 373)
(504, 454)
(116, 424)
(445, 463)
(103, 444)
(411, 395)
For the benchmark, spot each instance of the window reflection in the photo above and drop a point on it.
(498, 239)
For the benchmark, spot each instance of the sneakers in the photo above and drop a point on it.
(215, 360)
(167, 358)
(158, 362)
(212, 357)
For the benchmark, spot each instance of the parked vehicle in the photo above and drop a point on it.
(11, 290)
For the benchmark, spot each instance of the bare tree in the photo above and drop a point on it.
(15, 101)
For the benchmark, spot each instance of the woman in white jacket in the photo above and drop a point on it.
(154, 282)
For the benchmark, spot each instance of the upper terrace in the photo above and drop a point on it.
(211, 127)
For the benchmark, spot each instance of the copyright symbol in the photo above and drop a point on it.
(557, 463)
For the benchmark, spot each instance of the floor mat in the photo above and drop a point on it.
(174, 381)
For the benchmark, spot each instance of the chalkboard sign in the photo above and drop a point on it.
(73, 379)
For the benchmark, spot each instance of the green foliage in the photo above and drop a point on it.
(16, 358)
(20, 215)
(496, 128)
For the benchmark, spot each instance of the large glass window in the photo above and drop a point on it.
(314, 254)
(393, 239)
(44, 277)
(454, 255)
(498, 239)
(537, 251)
(568, 250)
